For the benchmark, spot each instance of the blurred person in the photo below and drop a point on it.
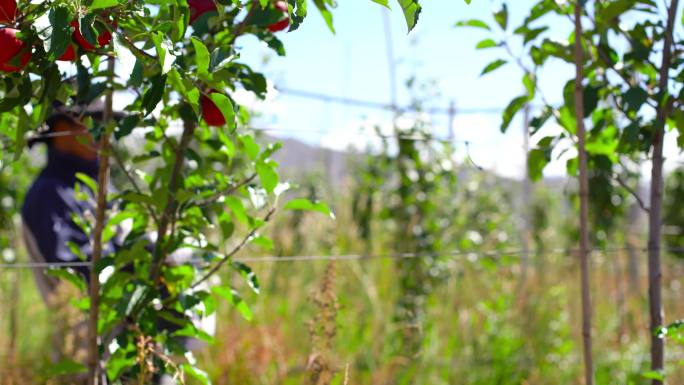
(50, 231)
(50, 203)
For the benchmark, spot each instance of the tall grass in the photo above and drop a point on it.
(484, 323)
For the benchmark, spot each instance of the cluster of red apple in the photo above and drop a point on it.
(11, 46)
(200, 7)
(211, 114)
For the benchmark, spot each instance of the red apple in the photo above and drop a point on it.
(69, 54)
(11, 46)
(103, 38)
(200, 7)
(210, 112)
(8, 10)
(284, 22)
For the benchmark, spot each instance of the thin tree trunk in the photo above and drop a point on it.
(584, 198)
(655, 213)
(102, 184)
(633, 258)
(171, 201)
(619, 298)
(526, 198)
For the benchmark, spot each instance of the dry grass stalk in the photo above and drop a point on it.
(145, 358)
(69, 327)
(323, 329)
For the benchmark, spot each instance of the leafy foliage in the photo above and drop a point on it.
(183, 188)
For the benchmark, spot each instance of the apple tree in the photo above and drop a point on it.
(627, 89)
(209, 189)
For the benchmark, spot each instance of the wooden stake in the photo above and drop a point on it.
(102, 184)
(584, 198)
(655, 212)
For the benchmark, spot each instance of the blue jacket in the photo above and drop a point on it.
(50, 204)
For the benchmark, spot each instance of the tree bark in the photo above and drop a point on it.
(102, 184)
(655, 214)
(584, 198)
(171, 201)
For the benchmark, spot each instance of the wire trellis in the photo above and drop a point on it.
(470, 254)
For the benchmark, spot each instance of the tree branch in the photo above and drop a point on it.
(130, 178)
(213, 198)
(135, 48)
(235, 250)
(102, 184)
(632, 192)
(167, 215)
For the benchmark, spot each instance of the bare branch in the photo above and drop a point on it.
(235, 250)
(130, 178)
(213, 198)
(632, 192)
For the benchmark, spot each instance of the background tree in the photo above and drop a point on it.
(631, 93)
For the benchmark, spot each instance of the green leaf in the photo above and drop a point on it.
(475, 23)
(411, 10)
(154, 94)
(267, 174)
(238, 209)
(384, 3)
(232, 296)
(530, 83)
(246, 271)
(65, 367)
(513, 107)
(58, 37)
(325, 12)
(307, 205)
(119, 362)
(654, 375)
(88, 181)
(225, 105)
(501, 17)
(100, 4)
(486, 43)
(251, 147)
(22, 128)
(136, 78)
(164, 51)
(537, 159)
(263, 242)
(634, 98)
(614, 9)
(197, 374)
(69, 275)
(201, 57)
(126, 126)
(493, 66)
(591, 99)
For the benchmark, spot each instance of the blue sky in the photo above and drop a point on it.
(353, 63)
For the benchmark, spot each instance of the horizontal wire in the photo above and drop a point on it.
(360, 257)
(383, 106)
(299, 131)
(42, 265)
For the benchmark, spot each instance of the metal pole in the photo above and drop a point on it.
(452, 116)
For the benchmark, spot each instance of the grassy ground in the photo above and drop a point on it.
(484, 325)
(487, 322)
